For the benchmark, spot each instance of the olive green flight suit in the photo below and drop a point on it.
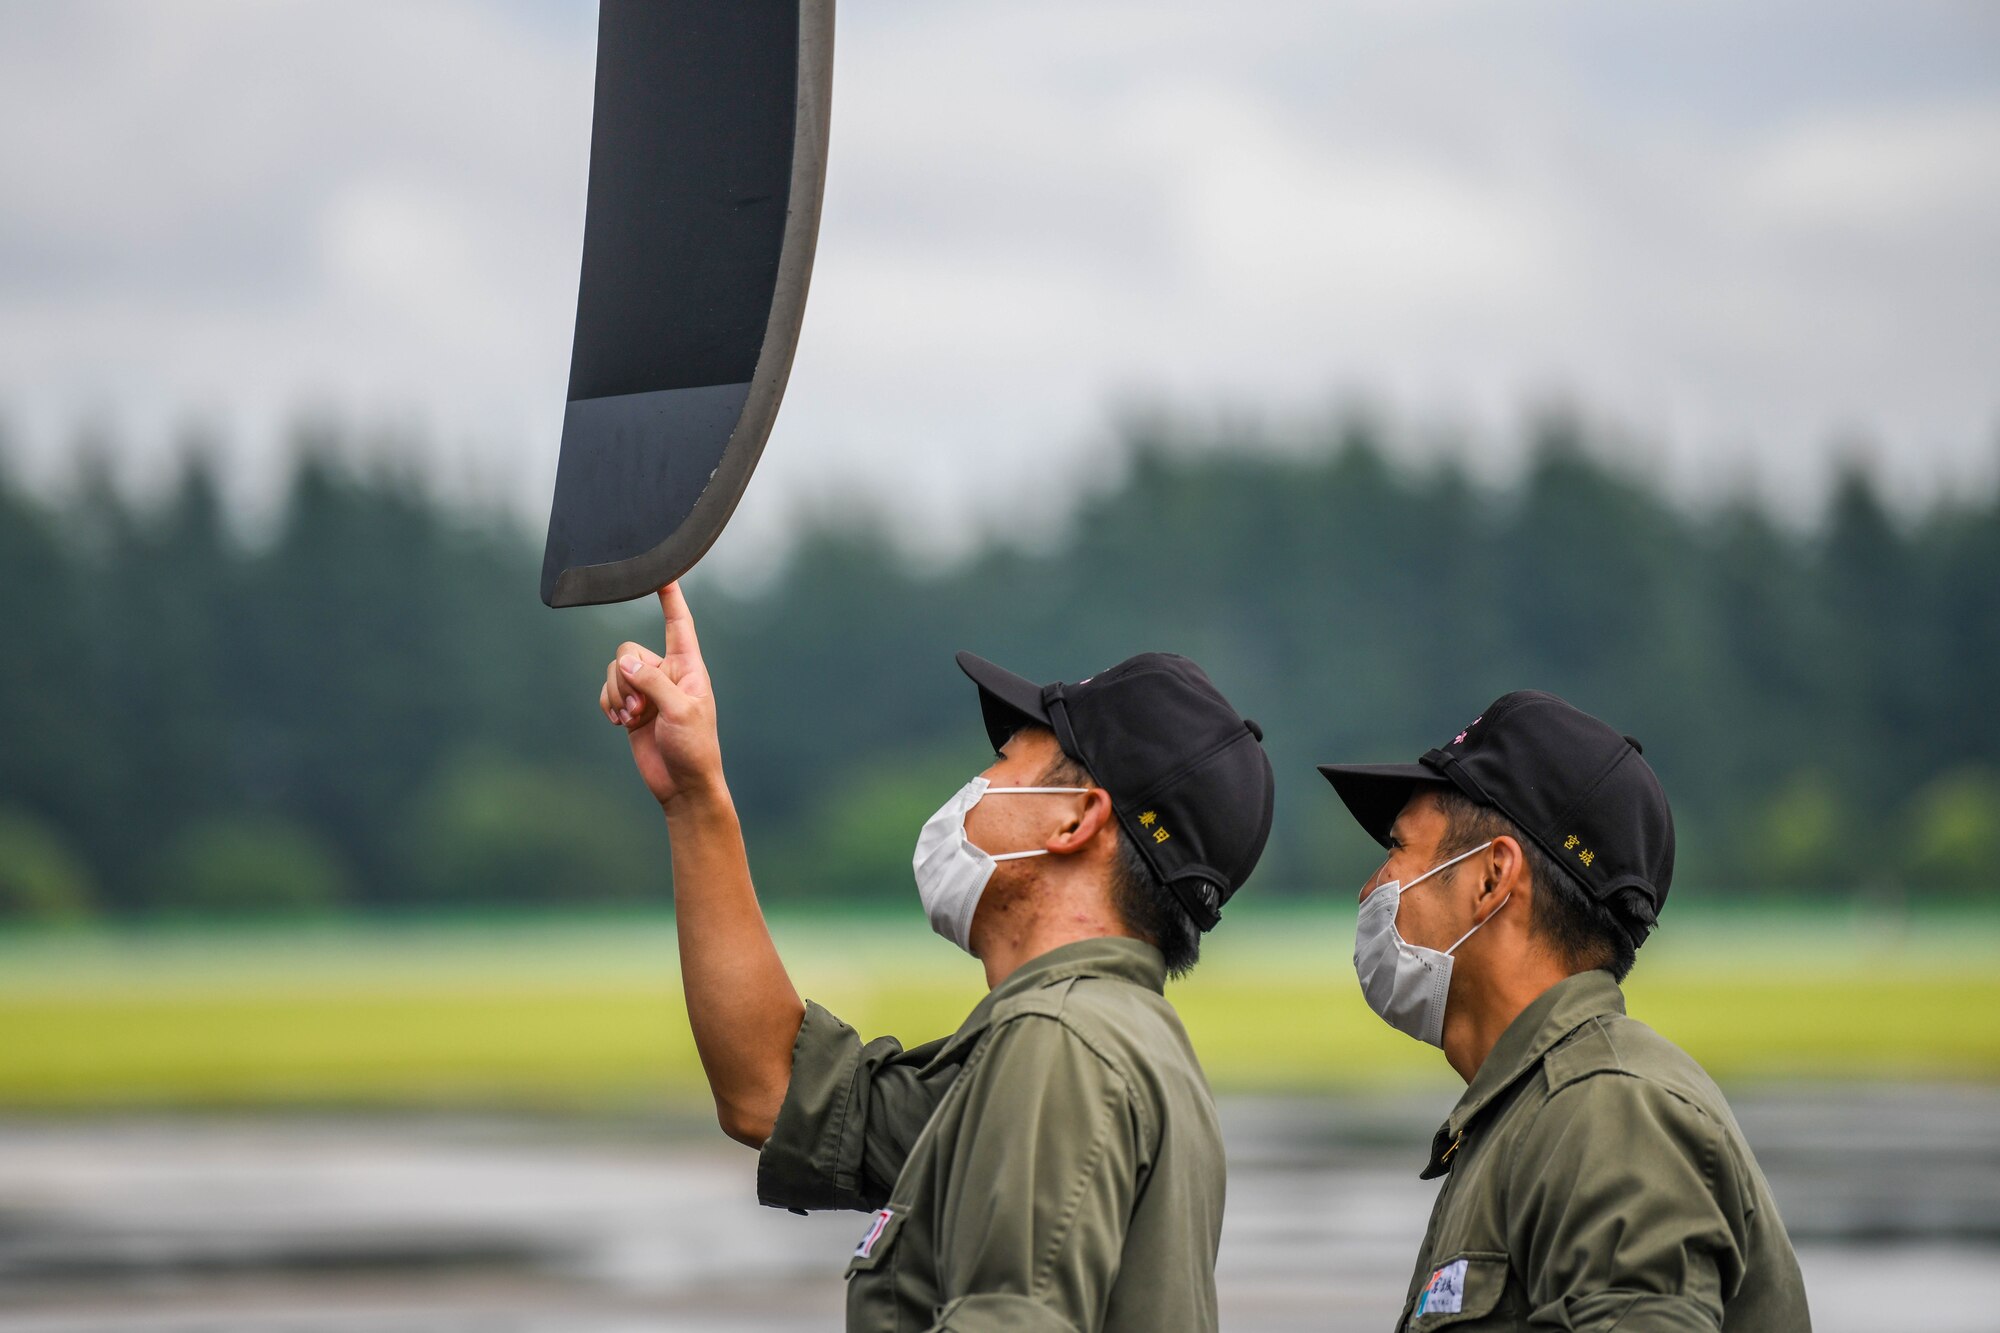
(1055, 1164)
(1596, 1180)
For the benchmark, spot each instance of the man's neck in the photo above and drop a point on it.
(1020, 934)
(1485, 1002)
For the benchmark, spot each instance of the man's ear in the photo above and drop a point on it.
(1088, 817)
(1506, 876)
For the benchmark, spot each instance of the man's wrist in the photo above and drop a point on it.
(699, 803)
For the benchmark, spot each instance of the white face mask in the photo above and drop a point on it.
(951, 872)
(1405, 983)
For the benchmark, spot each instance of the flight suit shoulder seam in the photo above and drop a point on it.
(1714, 1134)
(1128, 1081)
(1639, 1077)
(1076, 1030)
(1090, 1042)
(1587, 1050)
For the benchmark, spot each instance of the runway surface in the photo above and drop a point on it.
(452, 1224)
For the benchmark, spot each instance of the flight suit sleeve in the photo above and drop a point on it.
(1622, 1211)
(1032, 1222)
(850, 1114)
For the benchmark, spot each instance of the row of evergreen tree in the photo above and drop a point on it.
(370, 709)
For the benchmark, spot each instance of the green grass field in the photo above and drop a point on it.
(581, 1013)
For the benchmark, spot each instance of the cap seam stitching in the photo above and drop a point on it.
(1146, 796)
(1591, 790)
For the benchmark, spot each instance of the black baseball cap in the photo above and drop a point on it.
(1582, 791)
(1187, 774)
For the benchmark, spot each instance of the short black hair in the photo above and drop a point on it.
(1582, 931)
(1145, 905)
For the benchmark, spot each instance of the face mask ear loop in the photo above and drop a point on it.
(1475, 930)
(1446, 865)
(1010, 791)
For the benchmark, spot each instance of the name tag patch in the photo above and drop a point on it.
(875, 1226)
(1445, 1292)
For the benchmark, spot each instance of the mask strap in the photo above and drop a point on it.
(1475, 930)
(1447, 865)
(1039, 851)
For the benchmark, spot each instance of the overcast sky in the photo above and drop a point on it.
(1745, 231)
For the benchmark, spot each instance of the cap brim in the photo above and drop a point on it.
(1007, 702)
(1376, 793)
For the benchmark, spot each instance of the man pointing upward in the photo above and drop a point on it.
(1056, 1163)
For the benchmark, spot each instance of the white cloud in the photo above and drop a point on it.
(1884, 171)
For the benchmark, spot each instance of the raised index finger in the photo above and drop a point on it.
(680, 641)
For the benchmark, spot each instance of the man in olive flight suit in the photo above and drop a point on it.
(1056, 1163)
(1594, 1176)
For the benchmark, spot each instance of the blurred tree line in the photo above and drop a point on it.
(369, 709)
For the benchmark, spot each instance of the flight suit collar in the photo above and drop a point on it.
(1535, 1031)
(1115, 956)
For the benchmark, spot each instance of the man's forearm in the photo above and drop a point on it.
(741, 1003)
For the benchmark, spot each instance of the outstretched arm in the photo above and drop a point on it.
(741, 1004)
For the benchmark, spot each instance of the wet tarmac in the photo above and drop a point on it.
(457, 1224)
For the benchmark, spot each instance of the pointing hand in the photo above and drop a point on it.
(665, 703)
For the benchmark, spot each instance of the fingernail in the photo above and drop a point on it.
(631, 701)
(629, 665)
